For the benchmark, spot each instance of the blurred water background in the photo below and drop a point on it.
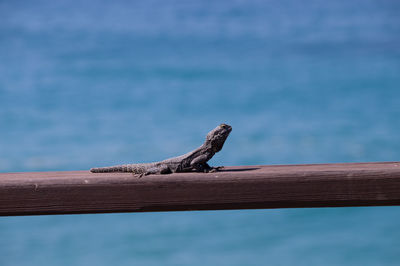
(91, 83)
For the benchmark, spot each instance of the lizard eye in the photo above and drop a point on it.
(223, 125)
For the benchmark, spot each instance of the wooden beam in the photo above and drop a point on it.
(239, 187)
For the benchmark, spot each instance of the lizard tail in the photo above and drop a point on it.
(116, 168)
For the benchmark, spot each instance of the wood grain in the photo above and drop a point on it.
(239, 187)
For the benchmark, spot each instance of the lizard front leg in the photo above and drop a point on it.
(197, 163)
(200, 164)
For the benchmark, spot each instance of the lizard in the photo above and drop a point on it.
(194, 161)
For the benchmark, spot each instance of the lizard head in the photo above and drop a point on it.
(216, 137)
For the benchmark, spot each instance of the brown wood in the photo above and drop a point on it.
(240, 187)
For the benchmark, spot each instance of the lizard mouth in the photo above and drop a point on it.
(227, 127)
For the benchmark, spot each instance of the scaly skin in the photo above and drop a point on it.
(195, 160)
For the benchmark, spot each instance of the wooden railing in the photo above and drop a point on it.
(239, 187)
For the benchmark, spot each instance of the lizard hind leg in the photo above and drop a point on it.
(163, 170)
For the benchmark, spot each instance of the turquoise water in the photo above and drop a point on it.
(92, 83)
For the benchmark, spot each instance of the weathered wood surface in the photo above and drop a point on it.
(240, 187)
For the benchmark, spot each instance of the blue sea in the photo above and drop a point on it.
(93, 83)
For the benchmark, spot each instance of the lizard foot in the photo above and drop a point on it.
(139, 175)
(215, 169)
